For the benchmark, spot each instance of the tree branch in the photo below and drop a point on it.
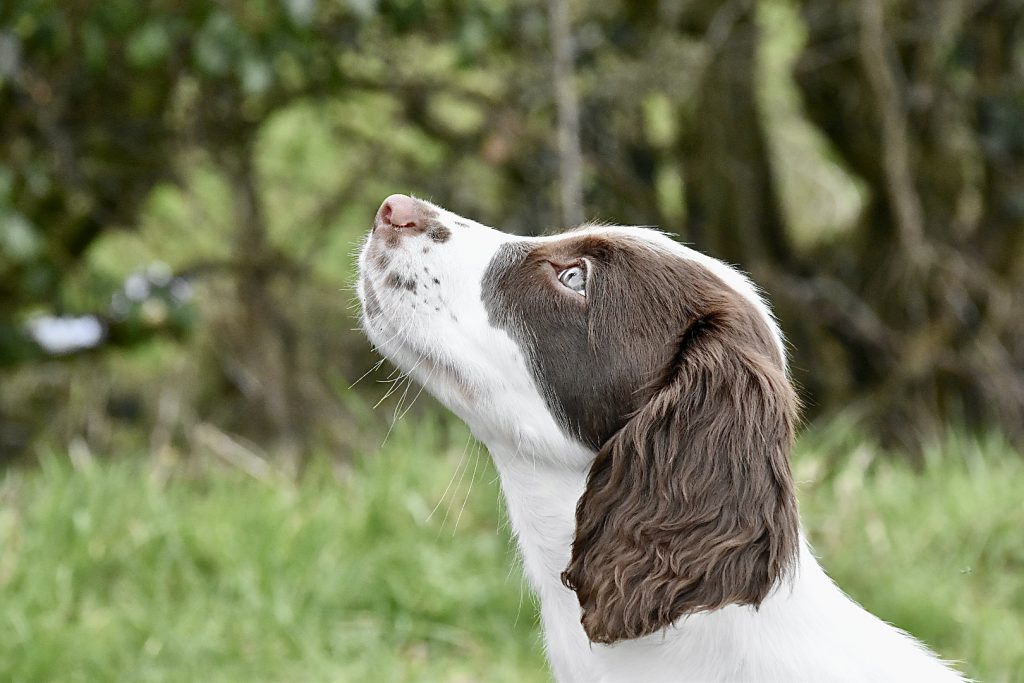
(906, 203)
(570, 159)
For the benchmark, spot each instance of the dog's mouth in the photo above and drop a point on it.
(403, 305)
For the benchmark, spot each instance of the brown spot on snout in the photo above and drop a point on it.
(381, 258)
(371, 302)
(396, 281)
(437, 232)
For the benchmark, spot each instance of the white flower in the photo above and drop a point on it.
(65, 334)
(136, 287)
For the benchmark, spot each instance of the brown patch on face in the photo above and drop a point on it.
(392, 238)
(675, 379)
(396, 281)
(436, 231)
(371, 302)
(381, 259)
(594, 355)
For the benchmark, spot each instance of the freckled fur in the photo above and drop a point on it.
(396, 281)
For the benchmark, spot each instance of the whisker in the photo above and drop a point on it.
(392, 380)
(458, 486)
(395, 384)
(522, 590)
(469, 488)
(376, 366)
(451, 480)
(395, 417)
(418, 393)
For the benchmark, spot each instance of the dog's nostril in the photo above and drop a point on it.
(400, 211)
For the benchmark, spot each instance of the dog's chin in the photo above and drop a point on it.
(417, 359)
(443, 380)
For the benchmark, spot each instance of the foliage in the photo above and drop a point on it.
(861, 160)
(115, 570)
(924, 102)
(88, 94)
(171, 571)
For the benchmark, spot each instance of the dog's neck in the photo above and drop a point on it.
(802, 617)
(540, 499)
(540, 496)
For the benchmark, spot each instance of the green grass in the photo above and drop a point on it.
(111, 572)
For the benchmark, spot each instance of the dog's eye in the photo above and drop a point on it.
(575, 278)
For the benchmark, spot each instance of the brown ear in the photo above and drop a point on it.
(690, 506)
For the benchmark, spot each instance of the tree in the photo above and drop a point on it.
(907, 319)
(925, 103)
(96, 102)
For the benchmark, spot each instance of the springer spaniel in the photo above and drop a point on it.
(634, 396)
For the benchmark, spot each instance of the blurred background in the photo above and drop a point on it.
(203, 475)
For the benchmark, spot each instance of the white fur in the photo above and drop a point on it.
(806, 630)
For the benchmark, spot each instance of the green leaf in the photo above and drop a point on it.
(256, 75)
(148, 46)
(19, 241)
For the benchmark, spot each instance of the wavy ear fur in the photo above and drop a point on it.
(690, 506)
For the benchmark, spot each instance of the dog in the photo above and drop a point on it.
(634, 396)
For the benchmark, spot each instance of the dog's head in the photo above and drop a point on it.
(661, 366)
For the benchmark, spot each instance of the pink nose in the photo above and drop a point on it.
(399, 211)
